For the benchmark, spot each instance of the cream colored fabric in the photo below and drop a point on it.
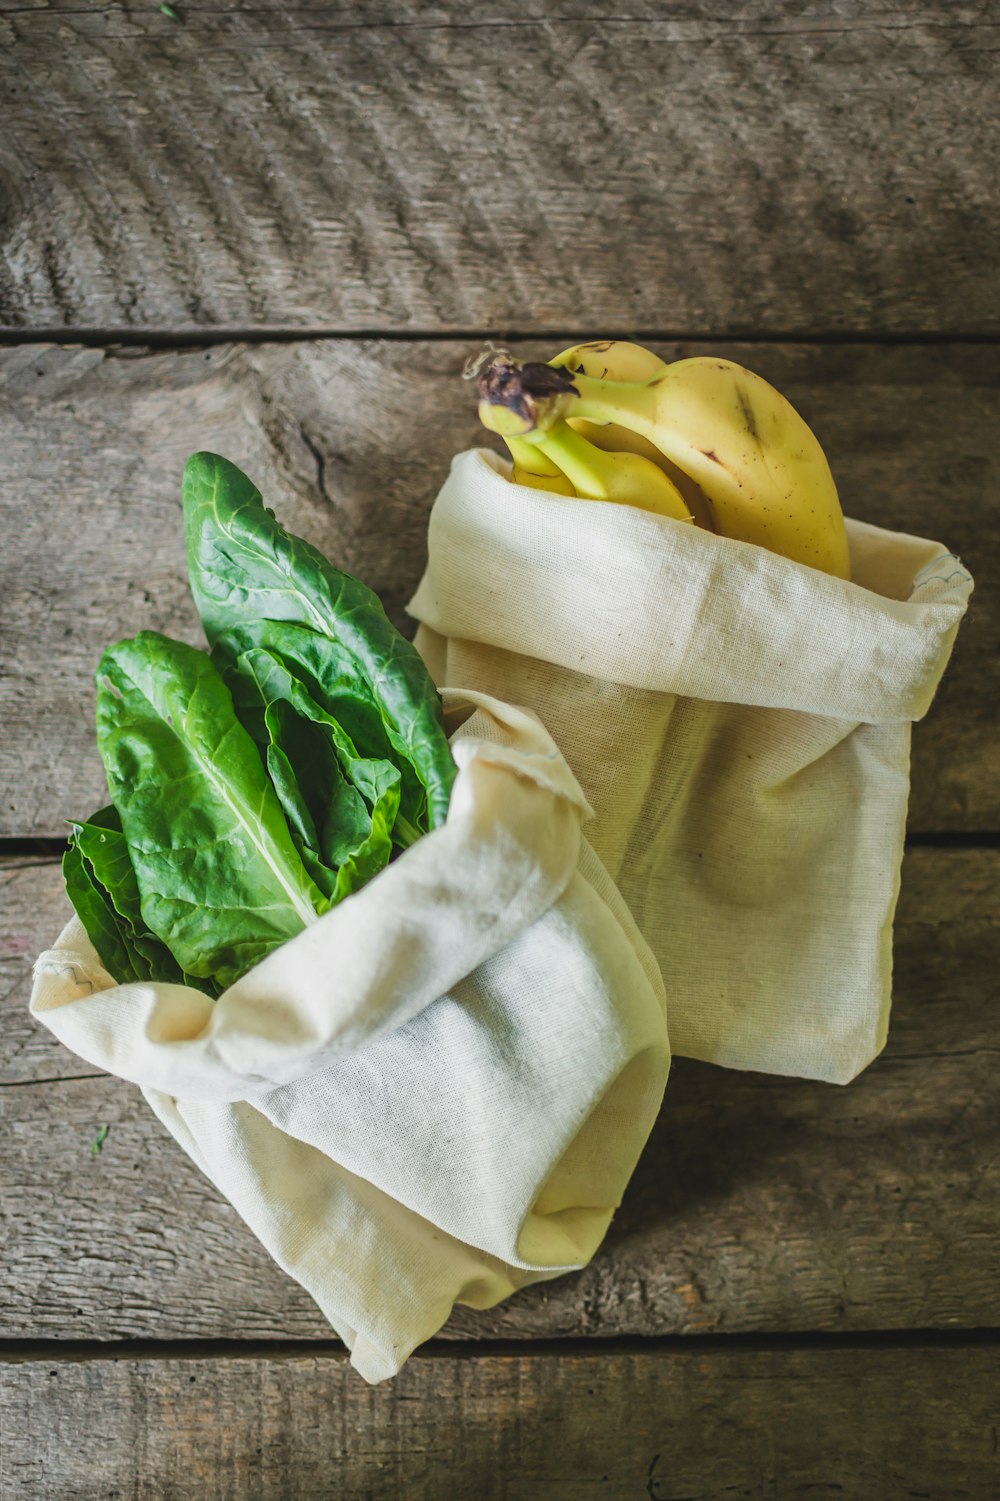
(740, 724)
(438, 1092)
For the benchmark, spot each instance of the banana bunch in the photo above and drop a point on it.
(702, 440)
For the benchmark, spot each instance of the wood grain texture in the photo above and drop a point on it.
(760, 1204)
(350, 441)
(885, 1425)
(687, 168)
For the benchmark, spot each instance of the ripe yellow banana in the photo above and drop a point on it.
(611, 359)
(617, 359)
(625, 478)
(759, 465)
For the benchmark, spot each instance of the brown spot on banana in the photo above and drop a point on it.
(748, 414)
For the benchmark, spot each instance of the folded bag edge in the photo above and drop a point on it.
(730, 621)
(173, 1038)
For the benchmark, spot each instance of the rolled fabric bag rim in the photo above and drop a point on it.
(877, 644)
(223, 1045)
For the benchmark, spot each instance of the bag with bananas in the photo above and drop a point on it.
(730, 669)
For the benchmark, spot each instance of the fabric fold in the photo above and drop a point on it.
(507, 850)
(437, 1093)
(647, 602)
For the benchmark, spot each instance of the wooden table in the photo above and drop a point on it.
(277, 231)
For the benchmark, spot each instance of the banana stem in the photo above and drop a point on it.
(529, 457)
(624, 478)
(527, 400)
(512, 395)
(631, 404)
(583, 463)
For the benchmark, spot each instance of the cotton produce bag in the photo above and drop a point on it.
(740, 724)
(436, 1093)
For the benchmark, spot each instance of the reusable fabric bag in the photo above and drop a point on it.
(741, 725)
(438, 1091)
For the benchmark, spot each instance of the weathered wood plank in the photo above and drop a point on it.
(884, 1424)
(352, 440)
(672, 169)
(759, 1204)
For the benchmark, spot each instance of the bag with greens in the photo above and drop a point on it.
(255, 787)
(375, 983)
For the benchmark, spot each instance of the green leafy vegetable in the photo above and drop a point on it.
(255, 584)
(221, 881)
(255, 787)
(97, 1145)
(341, 807)
(101, 881)
(107, 931)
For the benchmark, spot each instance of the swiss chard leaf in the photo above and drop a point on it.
(107, 931)
(108, 868)
(248, 573)
(324, 671)
(340, 805)
(220, 880)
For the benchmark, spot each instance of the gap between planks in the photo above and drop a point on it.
(188, 338)
(40, 1351)
(43, 850)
